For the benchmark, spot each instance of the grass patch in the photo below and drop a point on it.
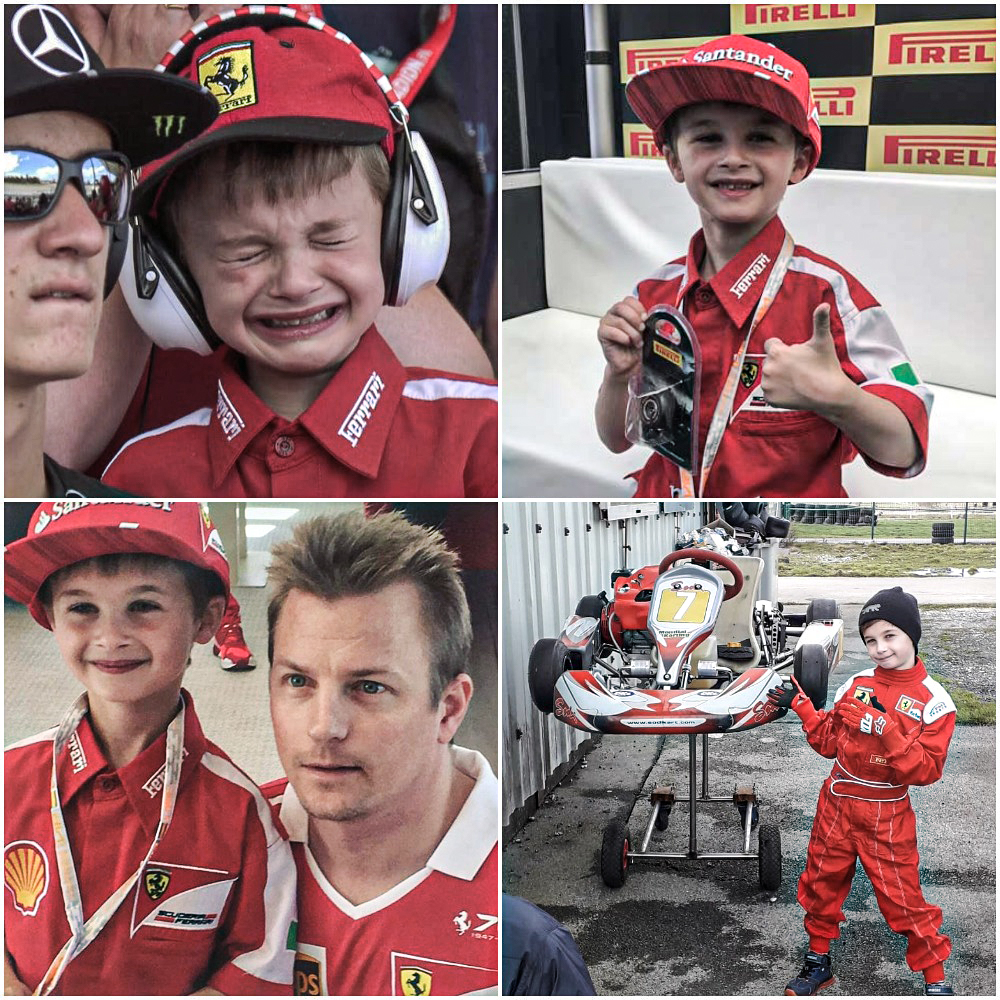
(848, 559)
(980, 526)
(969, 709)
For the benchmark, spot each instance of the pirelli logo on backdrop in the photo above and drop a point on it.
(843, 100)
(936, 47)
(650, 53)
(761, 18)
(933, 149)
(639, 141)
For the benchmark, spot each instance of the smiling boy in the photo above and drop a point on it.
(800, 367)
(276, 214)
(138, 858)
(889, 728)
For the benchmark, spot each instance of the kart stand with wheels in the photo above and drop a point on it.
(618, 852)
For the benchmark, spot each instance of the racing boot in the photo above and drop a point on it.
(230, 646)
(816, 975)
(941, 989)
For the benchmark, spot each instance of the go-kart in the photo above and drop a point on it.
(678, 649)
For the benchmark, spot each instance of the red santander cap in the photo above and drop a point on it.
(64, 532)
(298, 81)
(734, 68)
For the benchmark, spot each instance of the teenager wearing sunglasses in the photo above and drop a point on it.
(73, 133)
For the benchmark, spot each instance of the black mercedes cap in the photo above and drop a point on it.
(48, 66)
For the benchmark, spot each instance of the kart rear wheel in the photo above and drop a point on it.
(769, 856)
(822, 609)
(614, 854)
(545, 663)
(590, 607)
(812, 671)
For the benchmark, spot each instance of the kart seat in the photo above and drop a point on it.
(735, 621)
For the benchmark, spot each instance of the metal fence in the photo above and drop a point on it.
(942, 522)
(554, 554)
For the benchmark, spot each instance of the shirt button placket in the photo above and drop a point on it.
(284, 446)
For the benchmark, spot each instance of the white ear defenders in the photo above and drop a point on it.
(165, 300)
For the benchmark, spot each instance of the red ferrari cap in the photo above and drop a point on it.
(64, 532)
(289, 78)
(735, 68)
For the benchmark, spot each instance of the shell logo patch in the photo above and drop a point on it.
(227, 72)
(26, 875)
(415, 982)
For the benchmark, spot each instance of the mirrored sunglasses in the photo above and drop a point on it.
(33, 180)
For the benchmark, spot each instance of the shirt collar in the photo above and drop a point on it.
(350, 419)
(473, 835)
(81, 761)
(739, 284)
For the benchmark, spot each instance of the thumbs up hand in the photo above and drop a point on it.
(805, 376)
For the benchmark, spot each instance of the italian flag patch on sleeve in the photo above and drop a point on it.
(904, 373)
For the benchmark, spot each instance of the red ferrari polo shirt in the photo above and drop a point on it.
(434, 934)
(767, 451)
(377, 429)
(213, 906)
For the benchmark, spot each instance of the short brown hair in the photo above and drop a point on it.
(202, 584)
(350, 555)
(273, 170)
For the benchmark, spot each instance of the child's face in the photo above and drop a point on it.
(127, 636)
(889, 646)
(736, 162)
(293, 286)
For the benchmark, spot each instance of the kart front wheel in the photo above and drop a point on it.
(822, 609)
(545, 663)
(812, 671)
(769, 856)
(614, 854)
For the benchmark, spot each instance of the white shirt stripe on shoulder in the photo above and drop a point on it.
(198, 418)
(430, 389)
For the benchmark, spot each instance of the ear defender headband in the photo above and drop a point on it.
(160, 292)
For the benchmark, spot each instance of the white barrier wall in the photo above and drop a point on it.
(554, 554)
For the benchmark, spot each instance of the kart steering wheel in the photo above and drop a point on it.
(708, 559)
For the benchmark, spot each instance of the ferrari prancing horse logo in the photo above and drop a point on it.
(156, 883)
(415, 982)
(749, 373)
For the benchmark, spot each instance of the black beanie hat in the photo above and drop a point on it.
(896, 607)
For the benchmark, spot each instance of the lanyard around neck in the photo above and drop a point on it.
(412, 72)
(82, 933)
(723, 408)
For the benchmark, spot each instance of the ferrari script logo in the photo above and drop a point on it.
(156, 883)
(415, 982)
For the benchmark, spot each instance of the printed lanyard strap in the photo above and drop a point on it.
(82, 933)
(723, 408)
(412, 73)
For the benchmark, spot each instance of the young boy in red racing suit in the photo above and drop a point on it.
(889, 728)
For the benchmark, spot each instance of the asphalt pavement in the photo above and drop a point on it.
(706, 928)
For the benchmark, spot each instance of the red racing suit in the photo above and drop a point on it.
(864, 808)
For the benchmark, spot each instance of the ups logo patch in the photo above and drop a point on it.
(227, 73)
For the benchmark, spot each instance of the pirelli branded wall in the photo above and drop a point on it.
(900, 87)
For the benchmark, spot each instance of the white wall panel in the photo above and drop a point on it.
(554, 554)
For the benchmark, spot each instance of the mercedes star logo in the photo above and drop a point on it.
(45, 37)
